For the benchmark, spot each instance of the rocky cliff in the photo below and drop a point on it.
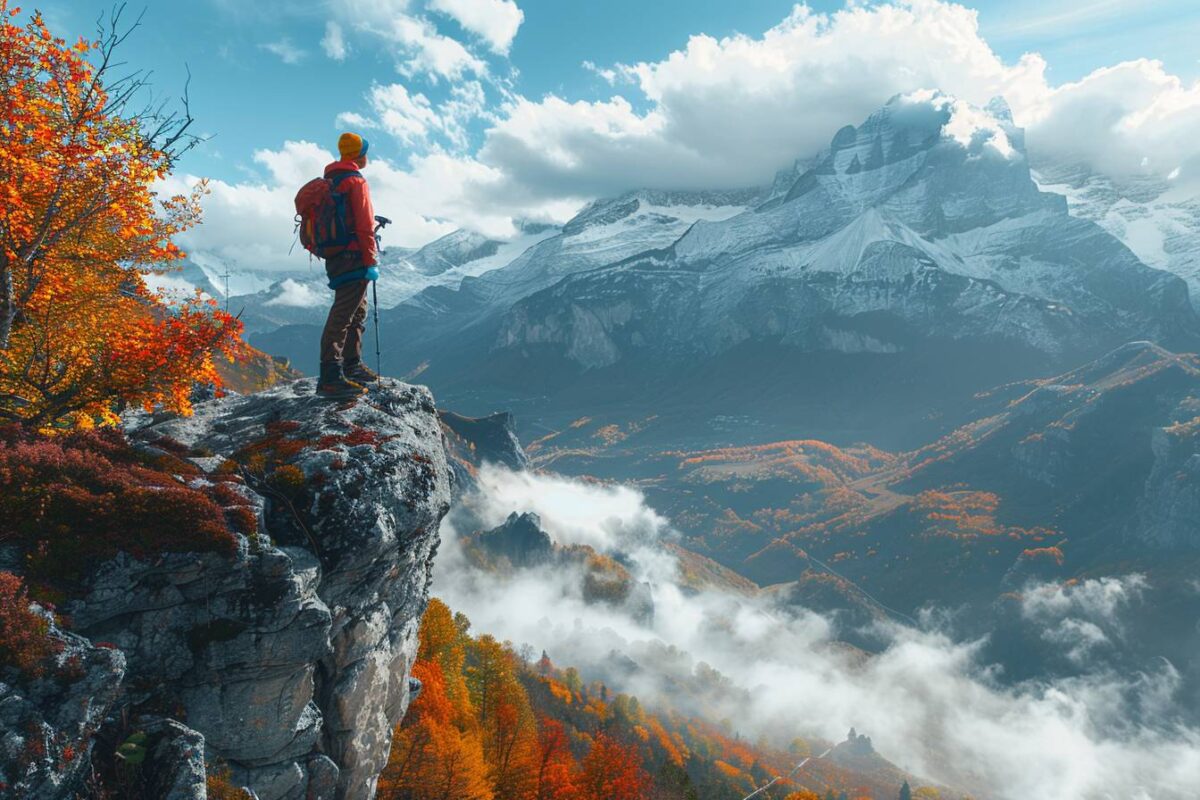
(288, 661)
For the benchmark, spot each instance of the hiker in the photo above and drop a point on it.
(350, 271)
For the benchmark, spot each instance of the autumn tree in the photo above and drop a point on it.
(558, 774)
(613, 771)
(443, 642)
(505, 716)
(81, 228)
(432, 758)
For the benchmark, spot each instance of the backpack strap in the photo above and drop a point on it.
(337, 177)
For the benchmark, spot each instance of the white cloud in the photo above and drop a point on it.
(1130, 119)
(421, 49)
(299, 295)
(729, 112)
(408, 117)
(433, 53)
(287, 52)
(605, 74)
(608, 518)
(494, 21)
(352, 119)
(926, 701)
(334, 41)
(413, 119)
(249, 224)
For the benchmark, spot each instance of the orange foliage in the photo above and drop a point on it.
(558, 774)
(81, 333)
(532, 732)
(967, 515)
(1054, 554)
(613, 771)
(432, 758)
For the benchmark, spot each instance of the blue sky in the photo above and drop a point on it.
(260, 77)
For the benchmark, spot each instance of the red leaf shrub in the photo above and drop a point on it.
(24, 635)
(73, 501)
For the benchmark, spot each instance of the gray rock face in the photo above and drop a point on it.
(292, 659)
(177, 757)
(521, 540)
(47, 725)
(1169, 509)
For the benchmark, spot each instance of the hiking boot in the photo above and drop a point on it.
(359, 372)
(334, 384)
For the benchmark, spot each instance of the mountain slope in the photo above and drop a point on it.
(1158, 221)
(901, 233)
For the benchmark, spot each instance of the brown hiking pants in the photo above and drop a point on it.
(343, 334)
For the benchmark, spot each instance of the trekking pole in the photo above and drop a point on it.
(375, 302)
(380, 223)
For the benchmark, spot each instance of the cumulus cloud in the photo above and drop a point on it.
(431, 52)
(1130, 119)
(728, 112)
(421, 48)
(249, 224)
(927, 701)
(494, 21)
(414, 120)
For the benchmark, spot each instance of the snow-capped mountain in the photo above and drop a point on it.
(302, 297)
(604, 232)
(1156, 219)
(922, 223)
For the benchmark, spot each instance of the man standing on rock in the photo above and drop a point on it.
(350, 272)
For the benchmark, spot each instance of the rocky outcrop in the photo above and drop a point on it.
(288, 662)
(521, 540)
(48, 723)
(472, 442)
(293, 660)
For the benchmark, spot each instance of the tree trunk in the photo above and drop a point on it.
(8, 304)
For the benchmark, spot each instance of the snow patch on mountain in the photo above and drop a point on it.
(1157, 220)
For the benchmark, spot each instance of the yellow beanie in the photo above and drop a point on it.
(351, 145)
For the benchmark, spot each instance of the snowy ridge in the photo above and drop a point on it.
(1157, 221)
(926, 213)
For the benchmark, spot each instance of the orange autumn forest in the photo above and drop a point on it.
(492, 724)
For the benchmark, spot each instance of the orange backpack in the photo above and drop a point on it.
(321, 218)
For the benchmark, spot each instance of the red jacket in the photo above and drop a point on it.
(360, 211)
